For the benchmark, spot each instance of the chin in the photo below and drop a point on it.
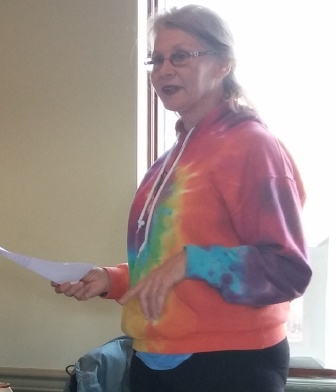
(171, 106)
(170, 103)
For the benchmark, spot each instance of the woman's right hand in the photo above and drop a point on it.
(94, 283)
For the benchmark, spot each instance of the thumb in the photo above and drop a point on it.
(126, 297)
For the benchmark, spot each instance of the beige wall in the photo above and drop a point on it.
(67, 166)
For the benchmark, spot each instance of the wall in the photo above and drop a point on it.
(67, 166)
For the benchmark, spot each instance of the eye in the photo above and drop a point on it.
(157, 60)
(180, 57)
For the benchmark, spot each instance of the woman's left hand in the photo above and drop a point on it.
(153, 289)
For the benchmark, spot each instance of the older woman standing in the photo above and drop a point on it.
(215, 242)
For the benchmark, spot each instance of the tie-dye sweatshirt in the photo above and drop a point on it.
(230, 195)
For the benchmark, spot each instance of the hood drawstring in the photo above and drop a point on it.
(162, 177)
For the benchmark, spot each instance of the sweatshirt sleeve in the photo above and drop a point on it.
(119, 278)
(264, 197)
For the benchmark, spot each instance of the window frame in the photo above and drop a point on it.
(152, 103)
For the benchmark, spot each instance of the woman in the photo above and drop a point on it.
(215, 242)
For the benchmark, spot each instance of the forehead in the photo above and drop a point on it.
(170, 39)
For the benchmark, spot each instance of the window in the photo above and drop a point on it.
(285, 63)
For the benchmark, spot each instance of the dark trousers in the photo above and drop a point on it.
(221, 371)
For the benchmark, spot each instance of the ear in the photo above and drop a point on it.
(223, 70)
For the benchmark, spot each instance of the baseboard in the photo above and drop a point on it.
(310, 384)
(34, 380)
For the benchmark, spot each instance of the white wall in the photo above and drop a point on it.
(67, 166)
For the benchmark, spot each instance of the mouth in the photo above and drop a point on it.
(170, 89)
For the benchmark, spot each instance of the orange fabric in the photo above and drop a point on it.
(119, 281)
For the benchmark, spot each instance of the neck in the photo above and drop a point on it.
(189, 120)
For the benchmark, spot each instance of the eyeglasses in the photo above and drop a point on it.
(177, 59)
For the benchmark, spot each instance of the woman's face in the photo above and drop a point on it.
(191, 90)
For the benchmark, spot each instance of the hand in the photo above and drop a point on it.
(94, 283)
(153, 289)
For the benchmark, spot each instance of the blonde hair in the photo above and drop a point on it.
(207, 26)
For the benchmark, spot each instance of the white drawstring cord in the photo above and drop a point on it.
(141, 222)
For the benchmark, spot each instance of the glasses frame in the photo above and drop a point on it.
(172, 60)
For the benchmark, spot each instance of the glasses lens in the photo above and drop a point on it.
(180, 58)
(157, 61)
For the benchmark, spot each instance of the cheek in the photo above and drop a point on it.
(207, 77)
(153, 80)
(199, 81)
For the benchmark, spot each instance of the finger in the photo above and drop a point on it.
(82, 295)
(62, 288)
(159, 304)
(157, 301)
(141, 291)
(86, 292)
(153, 295)
(146, 301)
(130, 293)
(74, 289)
(150, 298)
(90, 275)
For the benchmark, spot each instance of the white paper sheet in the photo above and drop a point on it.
(58, 272)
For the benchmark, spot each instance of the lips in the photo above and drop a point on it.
(170, 89)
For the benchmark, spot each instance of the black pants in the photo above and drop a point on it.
(222, 371)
